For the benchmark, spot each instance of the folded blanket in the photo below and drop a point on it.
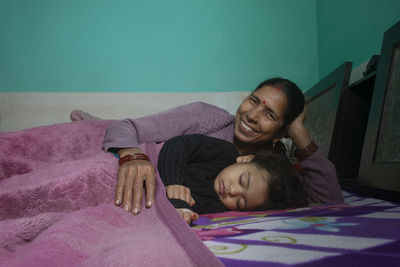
(56, 206)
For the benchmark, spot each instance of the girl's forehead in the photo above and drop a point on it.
(259, 172)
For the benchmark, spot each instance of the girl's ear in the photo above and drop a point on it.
(245, 158)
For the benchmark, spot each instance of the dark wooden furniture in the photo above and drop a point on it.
(358, 126)
(325, 102)
(380, 160)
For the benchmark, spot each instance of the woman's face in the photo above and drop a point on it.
(242, 186)
(260, 116)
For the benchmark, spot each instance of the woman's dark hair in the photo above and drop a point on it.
(294, 96)
(285, 187)
(295, 105)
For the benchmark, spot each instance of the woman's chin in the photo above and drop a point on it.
(245, 137)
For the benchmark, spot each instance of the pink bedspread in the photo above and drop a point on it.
(56, 206)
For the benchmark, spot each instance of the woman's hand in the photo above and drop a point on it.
(180, 192)
(131, 176)
(298, 133)
(188, 215)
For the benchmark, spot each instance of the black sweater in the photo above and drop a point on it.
(195, 161)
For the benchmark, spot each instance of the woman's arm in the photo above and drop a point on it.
(131, 176)
(192, 118)
(318, 172)
(126, 135)
(321, 180)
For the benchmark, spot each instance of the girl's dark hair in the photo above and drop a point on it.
(285, 187)
(295, 105)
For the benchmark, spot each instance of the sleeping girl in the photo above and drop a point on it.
(203, 174)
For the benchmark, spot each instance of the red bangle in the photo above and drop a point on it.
(304, 153)
(136, 156)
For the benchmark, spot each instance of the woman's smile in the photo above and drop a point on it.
(245, 129)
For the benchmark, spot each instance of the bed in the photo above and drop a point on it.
(56, 194)
(362, 232)
(56, 209)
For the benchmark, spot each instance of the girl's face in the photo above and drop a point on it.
(260, 116)
(242, 186)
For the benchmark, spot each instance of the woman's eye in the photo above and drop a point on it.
(252, 100)
(269, 115)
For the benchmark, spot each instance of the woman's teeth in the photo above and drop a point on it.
(246, 127)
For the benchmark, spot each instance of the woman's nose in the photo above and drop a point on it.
(252, 115)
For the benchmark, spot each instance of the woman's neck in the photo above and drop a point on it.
(244, 148)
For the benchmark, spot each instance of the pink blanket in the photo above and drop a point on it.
(56, 206)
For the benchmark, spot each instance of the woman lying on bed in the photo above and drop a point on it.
(202, 174)
(275, 108)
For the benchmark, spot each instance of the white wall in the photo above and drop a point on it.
(25, 110)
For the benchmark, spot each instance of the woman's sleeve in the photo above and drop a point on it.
(321, 180)
(195, 117)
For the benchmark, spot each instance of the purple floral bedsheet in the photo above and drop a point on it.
(362, 232)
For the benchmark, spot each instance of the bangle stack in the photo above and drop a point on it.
(304, 153)
(136, 156)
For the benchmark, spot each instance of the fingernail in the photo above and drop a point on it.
(135, 211)
(148, 204)
(126, 207)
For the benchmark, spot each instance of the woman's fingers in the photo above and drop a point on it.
(150, 189)
(119, 190)
(129, 190)
(137, 194)
(127, 200)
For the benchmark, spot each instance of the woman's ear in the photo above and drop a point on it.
(282, 133)
(245, 158)
(277, 138)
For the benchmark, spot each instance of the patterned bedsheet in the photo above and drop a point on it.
(362, 232)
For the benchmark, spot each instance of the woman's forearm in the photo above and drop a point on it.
(300, 136)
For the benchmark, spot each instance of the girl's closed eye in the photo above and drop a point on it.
(244, 180)
(241, 204)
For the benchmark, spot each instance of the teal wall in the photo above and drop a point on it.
(155, 46)
(352, 30)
